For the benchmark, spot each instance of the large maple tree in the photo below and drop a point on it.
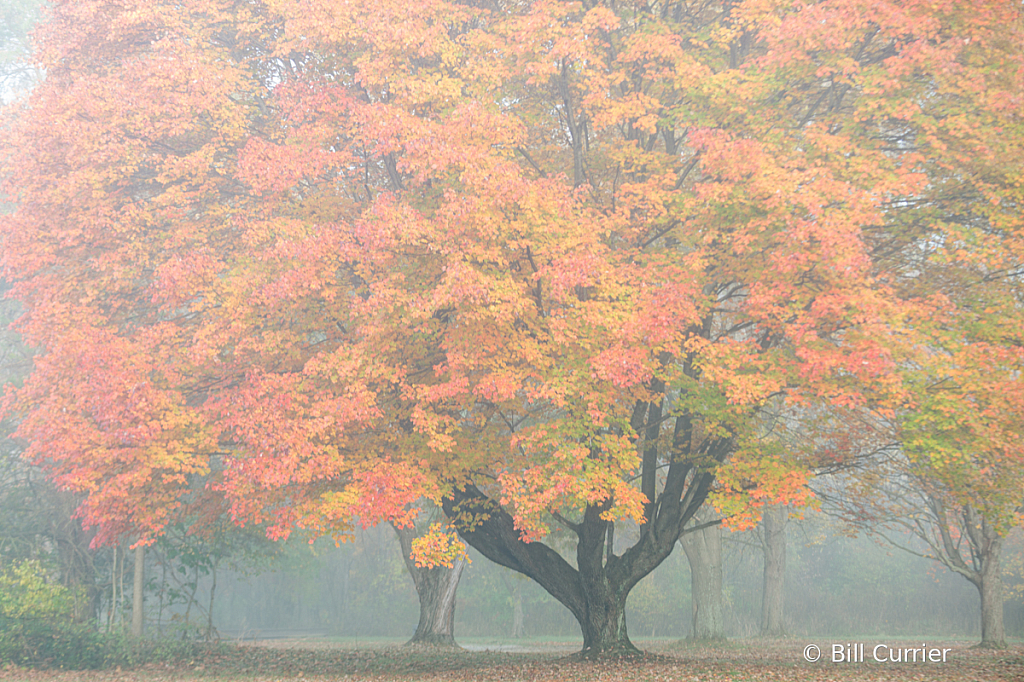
(542, 262)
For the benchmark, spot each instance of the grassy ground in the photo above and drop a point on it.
(547, 661)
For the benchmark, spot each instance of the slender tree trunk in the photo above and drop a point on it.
(120, 589)
(514, 585)
(137, 591)
(77, 567)
(193, 586)
(213, 591)
(346, 578)
(704, 552)
(113, 593)
(163, 590)
(773, 524)
(436, 588)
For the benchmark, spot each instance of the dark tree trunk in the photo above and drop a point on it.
(436, 588)
(213, 591)
(773, 526)
(595, 591)
(703, 549)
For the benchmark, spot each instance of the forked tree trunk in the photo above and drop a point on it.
(773, 524)
(596, 588)
(436, 589)
(594, 591)
(604, 618)
(983, 567)
(704, 552)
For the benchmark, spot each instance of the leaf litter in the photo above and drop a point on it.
(754, 661)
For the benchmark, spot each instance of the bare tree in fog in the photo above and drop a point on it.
(891, 498)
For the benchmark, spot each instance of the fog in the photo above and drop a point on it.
(835, 585)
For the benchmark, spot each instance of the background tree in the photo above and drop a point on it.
(773, 542)
(899, 503)
(436, 584)
(703, 547)
(436, 587)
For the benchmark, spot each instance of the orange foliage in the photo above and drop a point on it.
(328, 257)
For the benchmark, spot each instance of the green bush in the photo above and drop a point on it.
(37, 628)
(39, 643)
(77, 646)
(26, 594)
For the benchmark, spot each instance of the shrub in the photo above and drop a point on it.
(38, 643)
(26, 594)
(37, 628)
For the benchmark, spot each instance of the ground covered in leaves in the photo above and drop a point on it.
(666, 661)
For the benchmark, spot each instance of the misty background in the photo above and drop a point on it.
(836, 585)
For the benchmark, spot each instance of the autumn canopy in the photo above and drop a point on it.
(542, 262)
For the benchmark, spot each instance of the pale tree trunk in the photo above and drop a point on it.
(773, 525)
(436, 588)
(989, 580)
(137, 591)
(703, 549)
(518, 622)
(993, 634)
(113, 592)
(514, 585)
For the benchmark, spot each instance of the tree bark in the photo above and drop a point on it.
(113, 592)
(436, 588)
(675, 479)
(989, 581)
(213, 592)
(983, 567)
(993, 634)
(595, 590)
(773, 524)
(704, 552)
(137, 592)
